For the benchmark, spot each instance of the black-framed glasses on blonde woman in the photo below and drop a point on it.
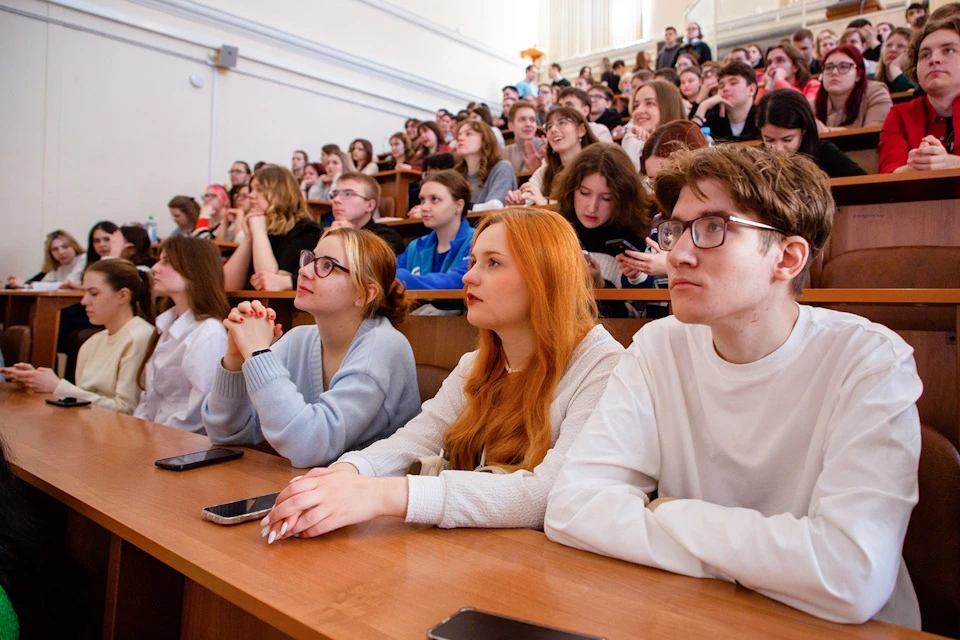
(322, 265)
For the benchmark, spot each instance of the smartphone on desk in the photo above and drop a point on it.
(618, 246)
(198, 459)
(471, 624)
(67, 402)
(240, 510)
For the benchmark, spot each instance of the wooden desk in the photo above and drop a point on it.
(40, 310)
(396, 184)
(168, 570)
(226, 248)
(319, 208)
(902, 96)
(860, 144)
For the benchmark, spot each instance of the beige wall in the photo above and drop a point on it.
(100, 121)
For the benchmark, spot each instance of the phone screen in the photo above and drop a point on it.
(470, 624)
(199, 456)
(243, 507)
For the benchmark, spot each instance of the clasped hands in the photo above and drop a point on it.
(250, 327)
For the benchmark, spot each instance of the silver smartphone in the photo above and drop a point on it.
(240, 510)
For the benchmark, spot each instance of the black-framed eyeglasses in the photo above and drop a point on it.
(707, 232)
(840, 67)
(347, 194)
(322, 265)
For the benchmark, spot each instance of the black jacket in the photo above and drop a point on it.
(389, 236)
(836, 163)
(610, 119)
(720, 127)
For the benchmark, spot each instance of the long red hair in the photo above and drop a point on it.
(507, 416)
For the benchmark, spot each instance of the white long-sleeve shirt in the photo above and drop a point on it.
(796, 474)
(180, 372)
(476, 499)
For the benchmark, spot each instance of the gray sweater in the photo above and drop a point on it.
(279, 396)
(500, 180)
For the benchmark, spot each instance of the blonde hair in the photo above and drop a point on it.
(286, 204)
(506, 417)
(49, 264)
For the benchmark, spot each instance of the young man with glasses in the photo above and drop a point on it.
(355, 201)
(749, 438)
(601, 112)
(579, 100)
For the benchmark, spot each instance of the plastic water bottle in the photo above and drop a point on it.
(706, 134)
(151, 228)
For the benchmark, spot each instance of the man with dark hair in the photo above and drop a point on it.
(667, 56)
(730, 113)
(528, 86)
(915, 10)
(601, 112)
(669, 74)
(240, 173)
(782, 439)
(554, 74)
(510, 95)
(803, 41)
(579, 100)
(872, 38)
(612, 77)
(738, 54)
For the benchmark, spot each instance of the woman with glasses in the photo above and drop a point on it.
(847, 99)
(278, 228)
(894, 58)
(216, 201)
(323, 389)
(787, 123)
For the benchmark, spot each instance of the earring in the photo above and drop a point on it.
(358, 303)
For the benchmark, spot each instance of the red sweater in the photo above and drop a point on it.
(906, 125)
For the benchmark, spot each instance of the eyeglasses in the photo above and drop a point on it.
(597, 97)
(347, 194)
(559, 122)
(840, 67)
(707, 232)
(322, 265)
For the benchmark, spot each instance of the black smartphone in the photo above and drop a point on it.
(68, 402)
(619, 245)
(240, 510)
(471, 624)
(198, 459)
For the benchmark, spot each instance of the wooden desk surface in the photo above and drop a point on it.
(854, 139)
(910, 186)
(384, 579)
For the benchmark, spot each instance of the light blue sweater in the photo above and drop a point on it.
(279, 396)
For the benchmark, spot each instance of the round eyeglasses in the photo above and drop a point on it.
(322, 265)
(707, 232)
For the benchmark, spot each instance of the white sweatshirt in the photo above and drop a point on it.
(477, 499)
(795, 474)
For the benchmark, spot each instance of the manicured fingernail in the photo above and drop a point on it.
(295, 479)
(240, 320)
(273, 536)
(252, 312)
(261, 314)
(264, 531)
(265, 522)
(283, 529)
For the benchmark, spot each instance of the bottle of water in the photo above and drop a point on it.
(706, 134)
(151, 228)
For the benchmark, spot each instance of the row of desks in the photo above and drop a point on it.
(165, 573)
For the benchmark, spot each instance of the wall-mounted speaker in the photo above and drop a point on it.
(227, 56)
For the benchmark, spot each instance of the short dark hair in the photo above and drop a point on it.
(607, 91)
(856, 23)
(439, 162)
(739, 49)
(674, 29)
(579, 94)
(737, 68)
(619, 63)
(668, 74)
(512, 88)
(530, 66)
(802, 34)
(556, 66)
(330, 148)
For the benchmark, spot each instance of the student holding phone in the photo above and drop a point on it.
(190, 339)
(116, 295)
(340, 384)
(509, 409)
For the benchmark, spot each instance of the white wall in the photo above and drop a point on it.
(100, 121)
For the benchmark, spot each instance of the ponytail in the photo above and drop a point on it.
(123, 274)
(394, 305)
(142, 300)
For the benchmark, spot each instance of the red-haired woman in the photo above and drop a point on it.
(847, 99)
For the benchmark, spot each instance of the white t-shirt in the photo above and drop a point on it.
(796, 474)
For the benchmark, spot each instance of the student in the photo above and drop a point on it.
(826, 42)
(739, 54)
(444, 120)
(567, 136)
(787, 123)
(857, 38)
(667, 56)
(527, 88)
(116, 296)
(103, 242)
(355, 203)
(694, 44)
(361, 152)
(239, 174)
(339, 384)
(755, 56)
(181, 361)
(686, 61)
(63, 261)
(185, 212)
(278, 229)
(919, 135)
(914, 11)
(884, 29)
(893, 60)
(580, 100)
(401, 153)
(802, 40)
(439, 259)
(555, 78)
(311, 176)
(583, 84)
(601, 112)
(480, 113)
(601, 196)
(298, 162)
(847, 99)
(411, 128)
(336, 164)
(136, 247)
(787, 69)
(657, 102)
(612, 77)
(216, 201)
(525, 153)
(236, 215)
(668, 75)
(731, 114)
(430, 138)
(479, 161)
(510, 96)
(690, 83)
(872, 40)
(770, 471)
(545, 102)
(511, 408)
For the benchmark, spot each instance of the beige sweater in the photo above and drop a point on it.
(874, 108)
(107, 367)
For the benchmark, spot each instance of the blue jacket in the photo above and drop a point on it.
(415, 265)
